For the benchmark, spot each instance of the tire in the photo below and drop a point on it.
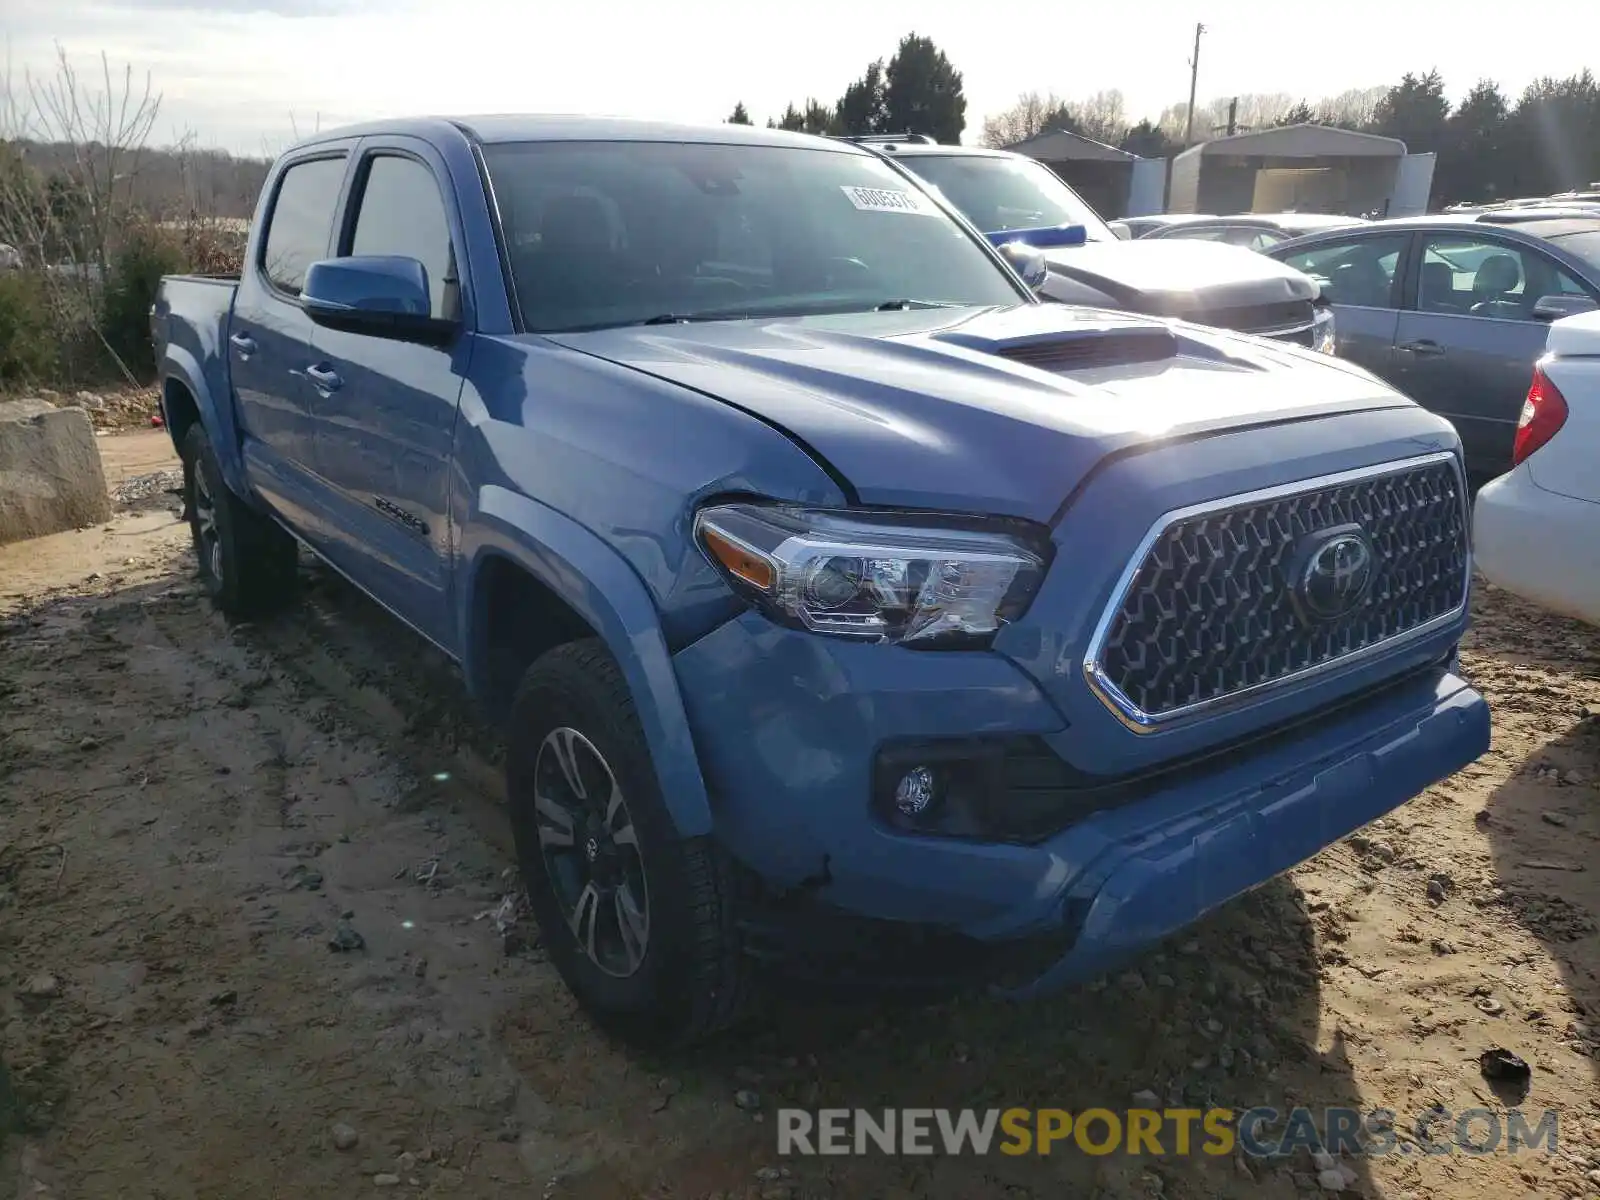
(247, 562)
(675, 977)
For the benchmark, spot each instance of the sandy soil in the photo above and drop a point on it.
(192, 811)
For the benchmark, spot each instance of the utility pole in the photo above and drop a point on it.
(1194, 79)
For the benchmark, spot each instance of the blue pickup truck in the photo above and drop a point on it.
(850, 611)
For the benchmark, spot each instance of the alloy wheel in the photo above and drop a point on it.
(591, 852)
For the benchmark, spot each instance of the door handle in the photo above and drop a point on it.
(1422, 346)
(244, 344)
(326, 379)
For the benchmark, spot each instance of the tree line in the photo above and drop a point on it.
(1490, 146)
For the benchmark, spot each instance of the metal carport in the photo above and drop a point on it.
(1307, 168)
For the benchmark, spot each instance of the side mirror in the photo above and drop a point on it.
(1027, 262)
(380, 295)
(1124, 234)
(1553, 308)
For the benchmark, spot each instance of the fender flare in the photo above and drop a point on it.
(602, 588)
(181, 365)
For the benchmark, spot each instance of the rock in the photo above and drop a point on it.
(747, 1100)
(407, 1162)
(1131, 981)
(51, 479)
(1439, 888)
(224, 999)
(1166, 981)
(1146, 1099)
(1383, 852)
(1212, 1026)
(344, 1137)
(43, 986)
(1189, 947)
(1331, 1180)
(386, 1180)
(345, 939)
(1553, 818)
(1306, 1183)
(1491, 1006)
(1323, 1161)
(89, 743)
(777, 1191)
(1574, 778)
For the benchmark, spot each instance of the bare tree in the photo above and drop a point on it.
(104, 134)
(1030, 116)
(1102, 116)
(89, 145)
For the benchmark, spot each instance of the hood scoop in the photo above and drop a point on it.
(1080, 349)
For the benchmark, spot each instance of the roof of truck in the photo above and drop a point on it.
(559, 128)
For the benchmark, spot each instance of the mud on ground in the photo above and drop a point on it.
(194, 814)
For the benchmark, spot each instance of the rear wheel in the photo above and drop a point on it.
(638, 920)
(247, 562)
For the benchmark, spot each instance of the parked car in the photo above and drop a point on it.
(847, 608)
(1253, 231)
(1535, 527)
(1016, 199)
(1453, 310)
(1128, 228)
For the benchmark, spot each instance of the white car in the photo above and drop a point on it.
(1536, 530)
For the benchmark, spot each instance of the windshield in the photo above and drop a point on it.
(617, 233)
(1584, 245)
(997, 193)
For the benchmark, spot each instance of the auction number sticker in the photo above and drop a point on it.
(885, 200)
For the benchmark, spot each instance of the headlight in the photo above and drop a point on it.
(911, 580)
(1322, 330)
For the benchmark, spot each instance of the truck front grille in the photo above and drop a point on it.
(1244, 594)
(1287, 321)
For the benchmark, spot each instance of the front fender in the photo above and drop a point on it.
(217, 419)
(600, 586)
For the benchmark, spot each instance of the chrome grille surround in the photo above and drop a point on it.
(1415, 508)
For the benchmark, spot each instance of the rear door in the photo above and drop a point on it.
(269, 335)
(384, 410)
(1468, 339)
(1360, 276)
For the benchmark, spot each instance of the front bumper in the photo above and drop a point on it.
(1539, 544)
(788, 726)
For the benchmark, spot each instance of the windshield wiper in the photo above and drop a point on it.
(898, 305)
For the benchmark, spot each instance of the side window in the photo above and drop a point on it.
(1359, 271)
(302, 219)
(403, 214)
(1482, 277)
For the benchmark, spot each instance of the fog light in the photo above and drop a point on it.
(916, 790)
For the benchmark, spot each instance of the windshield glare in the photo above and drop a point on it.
(1585, 245)
(997, 194)
(615, 233)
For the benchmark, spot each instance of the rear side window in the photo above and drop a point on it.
(302, 219)
(403, 214)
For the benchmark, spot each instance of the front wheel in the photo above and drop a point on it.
(638, 920)
(247, 563)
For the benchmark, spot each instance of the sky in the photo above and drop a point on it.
(249, 75)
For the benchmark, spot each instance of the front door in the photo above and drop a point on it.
(1360, 276)
(1466, 347)
(269, 335)
(385, 410)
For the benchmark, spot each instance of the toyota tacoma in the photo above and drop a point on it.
(850, 611)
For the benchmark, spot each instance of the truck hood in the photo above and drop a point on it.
(1181, 278)
(997, 410)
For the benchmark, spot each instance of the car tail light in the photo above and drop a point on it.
(1544, 412)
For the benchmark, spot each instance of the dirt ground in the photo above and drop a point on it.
(193, 813)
